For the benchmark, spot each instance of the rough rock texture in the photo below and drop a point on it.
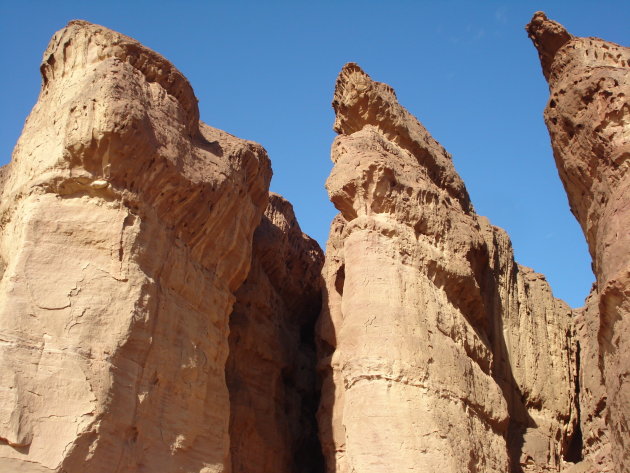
(125, 229)
(437, 351)
(271, 366)
(588, 117)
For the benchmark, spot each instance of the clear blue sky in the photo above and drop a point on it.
(265, 71)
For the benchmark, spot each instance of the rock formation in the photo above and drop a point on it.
(158, 305)
(271, 366)
(588, 117)
(438, 352)
(126, 228)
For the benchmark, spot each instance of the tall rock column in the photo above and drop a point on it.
(588, 117)
(125, 230)
(437, 351)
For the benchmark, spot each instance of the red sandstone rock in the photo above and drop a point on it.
(588, 117)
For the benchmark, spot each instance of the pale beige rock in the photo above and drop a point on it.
(125, 229)
(271, 367)
(437, 352)
(588, 117)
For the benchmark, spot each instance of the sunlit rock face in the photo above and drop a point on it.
(588, 117)
(437, 351)
(161, 311)
(125, 229)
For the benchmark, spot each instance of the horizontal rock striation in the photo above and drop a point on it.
(271, 367)
(437, 351)
(588, 117)
(125, 230)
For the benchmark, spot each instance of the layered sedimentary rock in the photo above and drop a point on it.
(271, 366)
(588, 117)
(125, 230)
(437, 351)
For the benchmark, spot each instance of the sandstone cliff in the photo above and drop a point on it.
(125, 230)
(588, 117)
(271, 366)
(437, 351)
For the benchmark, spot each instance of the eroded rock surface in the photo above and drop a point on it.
(125, 229)
(271, 367)
(588, 117)
(437, 351)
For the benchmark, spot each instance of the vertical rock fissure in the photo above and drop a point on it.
(575, 446)
(3, 267)
(340, 279)
(308, 456)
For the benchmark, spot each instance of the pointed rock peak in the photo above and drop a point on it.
(351, 101)
(82, 44)
(362, 103)
(548, 36)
